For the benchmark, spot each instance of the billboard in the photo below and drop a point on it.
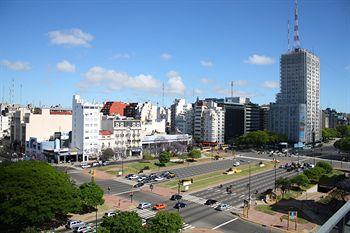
(302, 120)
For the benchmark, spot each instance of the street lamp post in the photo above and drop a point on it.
(275, 173)
(249, 184)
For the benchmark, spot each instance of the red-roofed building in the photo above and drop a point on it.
(112, 108)
(106, 139)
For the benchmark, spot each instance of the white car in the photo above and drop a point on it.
(85, 165)
(144, 205)
(109, 214)
(236, 163)
(159, 178)
(74, 223)
(105, 163)
(82, 229)
(132, 177)
(95, 164)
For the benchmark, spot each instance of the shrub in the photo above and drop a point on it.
(326, 166)
(314, 174)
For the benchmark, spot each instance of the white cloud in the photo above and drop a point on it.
(65, 66)
(71, 37)
(16, 65)
(239, 83)
(271, 84)
(114, 80)
(207, 64)
(226, 92)
(256, 59)
(121, 56)
(197, 91)
(175, 85)
(166, 56)
(206, 80)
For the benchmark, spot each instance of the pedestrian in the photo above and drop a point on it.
(220, 186)
(109, 189)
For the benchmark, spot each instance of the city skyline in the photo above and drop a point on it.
(198, 54)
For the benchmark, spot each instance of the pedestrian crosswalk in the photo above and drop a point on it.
(145, 213)
(201, 201)
(194, 199)
(187, 226)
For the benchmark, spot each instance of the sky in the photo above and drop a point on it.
(131, 50)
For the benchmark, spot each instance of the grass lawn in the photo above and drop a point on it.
(300, 220)
(265, 209)
(205, 180)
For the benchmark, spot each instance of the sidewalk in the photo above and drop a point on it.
(274, 221)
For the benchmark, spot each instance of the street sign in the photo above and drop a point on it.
(292, 214)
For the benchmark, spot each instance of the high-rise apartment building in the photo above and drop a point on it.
(85, 127)
(296, 112)
(181, 117)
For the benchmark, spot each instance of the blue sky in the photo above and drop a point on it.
(127, 50)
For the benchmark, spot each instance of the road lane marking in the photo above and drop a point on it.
(214, 228)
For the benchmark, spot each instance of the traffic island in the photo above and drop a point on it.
(270, 219)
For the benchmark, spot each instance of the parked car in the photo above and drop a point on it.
(105, 163)
(133, 177)
(175, 197)
(180, 205)
(109, 214)
(142, 178)
(236, 163)
(74, 223)
(210, 202)
(95, 164)
(138, 185)
(159, 206)
(85, 165)
(221, 207)
(82, 229)
(144, 205)
(159, 178)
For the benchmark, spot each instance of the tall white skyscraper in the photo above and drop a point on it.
(85, 127)
(296, 112)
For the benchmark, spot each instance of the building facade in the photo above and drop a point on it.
(182, 116)
(86, 123)
(296, 112)
(127, 135)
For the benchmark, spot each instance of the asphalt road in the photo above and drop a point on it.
(200, 169)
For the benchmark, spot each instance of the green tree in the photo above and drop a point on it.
(300, 180)
(314, 174)
(326, 166)
(328, 133)
(194, 154)
(123, 222)
(32, 194)
(284, 184)
(343, 144)
(164, 157)
(91, 195)
(165, 222)
(107, 154)
(259, 139)
(343, 130)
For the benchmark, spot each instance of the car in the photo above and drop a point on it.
(142, 178)
(210, 202)
(109, 214)
(133, 177)
(81, 229)
(180, 205)
(144, 205)
(236, 163)
(95, 164)
(74, 223)
(159, 178)
(138, 185)
(175, 197)
(105, 163)
(159, 206)
(221, 207)
(85, 165)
